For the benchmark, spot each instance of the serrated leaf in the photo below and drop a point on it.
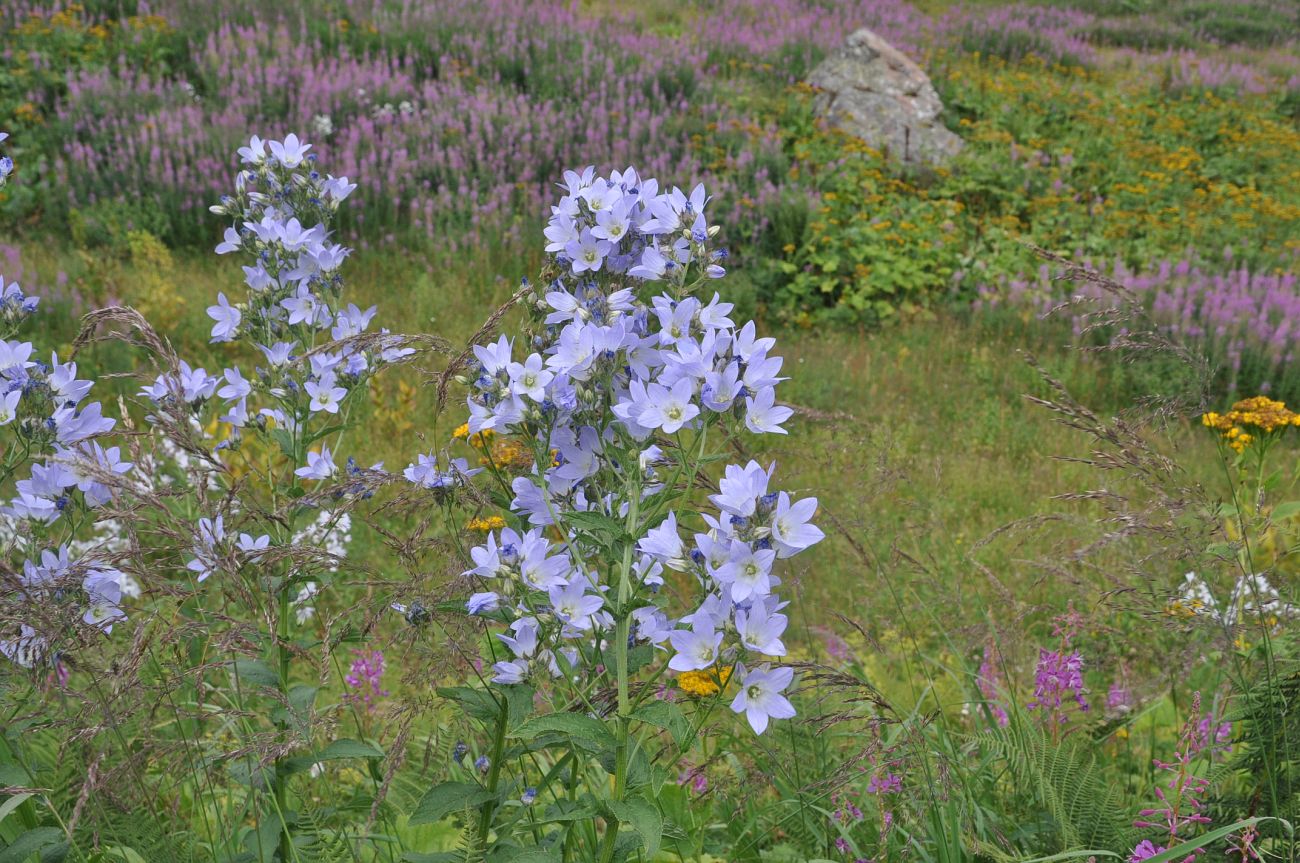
(599, 526)
(581, 729)
(29, 843)
(442, 800)
(669, 717)
(645, 820)
(478, 703)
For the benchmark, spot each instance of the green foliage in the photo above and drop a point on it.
(1062, 775)
(868, 246)
(1265, 753)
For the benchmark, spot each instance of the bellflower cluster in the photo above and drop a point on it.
(54, 435)
(615, 397)
(314, 349)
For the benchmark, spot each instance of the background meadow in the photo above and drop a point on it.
(1010, 466)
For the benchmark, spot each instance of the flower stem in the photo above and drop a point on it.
(623, 629)
(494, 773)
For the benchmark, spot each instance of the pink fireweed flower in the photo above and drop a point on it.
(889, 783)
(988, 681)
(1211, 735)
(364, 678)
(1180, 797)
(1144, 851)
(1059, 674)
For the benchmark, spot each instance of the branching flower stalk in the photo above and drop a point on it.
(607, 559)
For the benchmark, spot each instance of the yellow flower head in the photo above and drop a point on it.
(509, 453)
(479, 441)
(484, 525)
(1259, 413)
(702, 684)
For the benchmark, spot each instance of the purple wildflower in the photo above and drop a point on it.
(1180, 800)
(988, 681)
(365, 678)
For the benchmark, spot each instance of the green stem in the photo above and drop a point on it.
(494, 774)
(623, 629)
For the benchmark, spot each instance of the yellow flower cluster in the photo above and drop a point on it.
(1164, 178)
(702, 684)
(505, 453)
(486, 525)
(1184, 608)
(509, 453)
(73, 18)
(480, 441)
(1259, 413)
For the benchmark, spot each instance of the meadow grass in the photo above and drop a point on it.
(916, 437)
(967, 524)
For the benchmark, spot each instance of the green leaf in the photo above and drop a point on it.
(436, 857)
(639, 657)
(562, 811)
(1225, 550)
(346, 748)
(302, 696)
(645, 820)
(13, 803)
(56, 853)
(510, 854)
(1071, 855)
(601, 528)
(247, 770)
(519, 701)
(1180, 851)
(1285, 510)
(256, 672)
(478, 703)
(669, 717)
(285, 440)
(29, 843)
(325, 432)
(125, 854)
(442, 800)
(585, 731)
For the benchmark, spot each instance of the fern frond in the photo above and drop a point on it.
(1064, 778)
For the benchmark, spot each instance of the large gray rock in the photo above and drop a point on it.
(871, 90)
